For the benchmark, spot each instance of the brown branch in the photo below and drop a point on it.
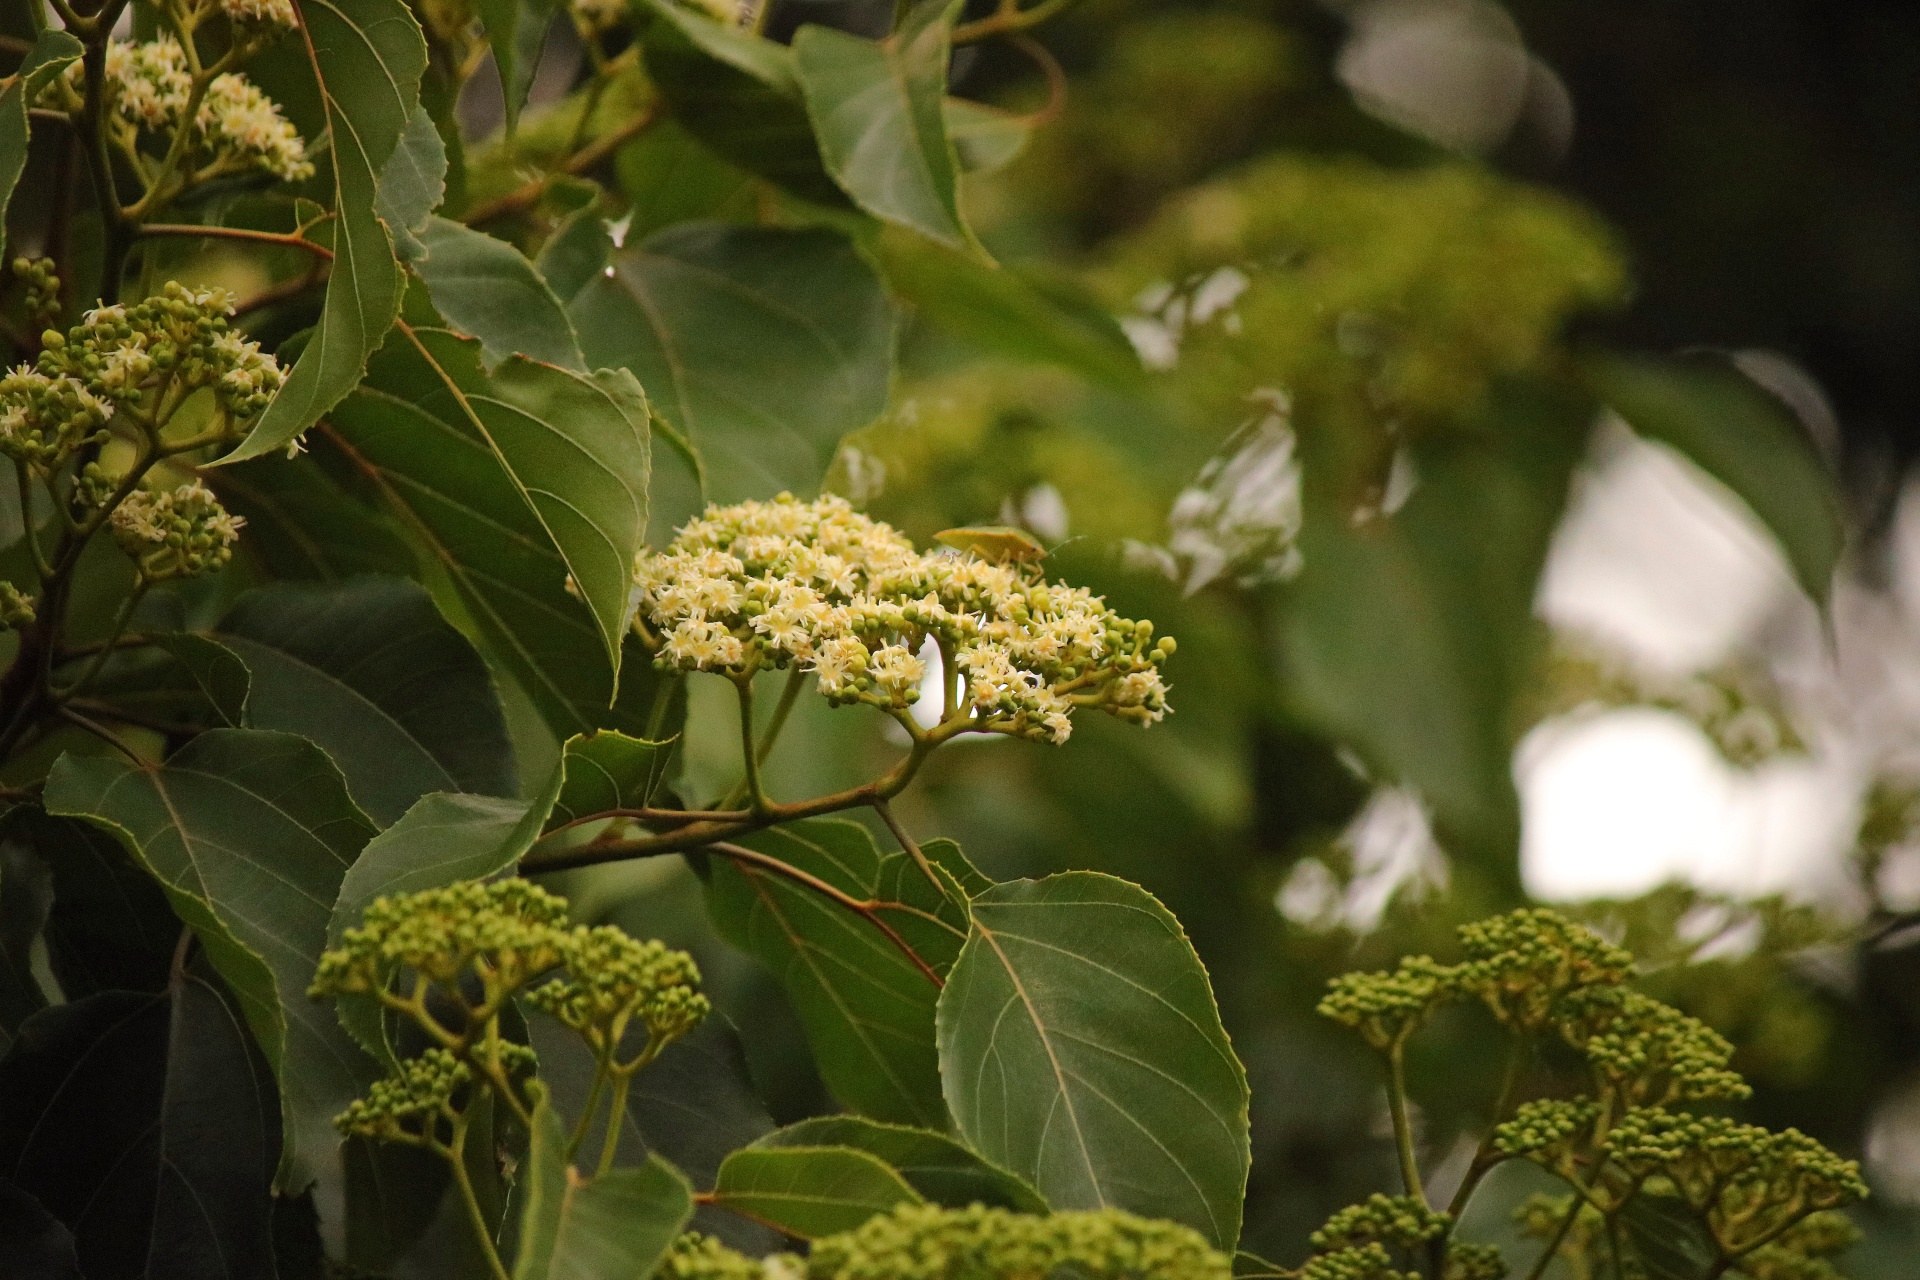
(869, 910)
(525, 196)
(275, 238)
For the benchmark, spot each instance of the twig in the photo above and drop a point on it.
(1008, 19)
(868, 910)
(99, 731)
(195, 231)
(525, 196)
(885, 811)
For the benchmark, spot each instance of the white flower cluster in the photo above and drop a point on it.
(236, 127)
(768, 584)
(43, 418)
(243, 127)
(260, 13)
(177, 533)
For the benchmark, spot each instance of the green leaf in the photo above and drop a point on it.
(607, 770)
(488, 290)
(739, 94)
(443, 839)
(1003, 312)
(110, 928)
(578, 250)
(810, 1191)
(367, 56)
(1668, 1238)
(669, 176)
(878, 109)
(619, 1224)
(1081, 1048)
(26, 895)
(216, 670)
(420, 452)
(372, 673)
(250, 834)
(576, 449)
(933, 1164)
(516, 29)
(412, 184)
(1411, 638)
(50, 56)
(985, 138)
(867, 1008)
(1744, 437)
(301, 524)
(147, 1123)
(683, 307)
(33, 1242)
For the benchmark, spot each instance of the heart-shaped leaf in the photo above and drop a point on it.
(684, 304)
(250, 834)
(1081, 1048)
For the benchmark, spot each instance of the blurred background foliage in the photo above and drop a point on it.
(1448, 201)
(1342, 477)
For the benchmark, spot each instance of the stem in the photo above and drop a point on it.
(1488, 1156)
(1009, 19)
(868, 909)
(527, 195)
(197, 232)
(616, 1121)
(585, 1121)
(913, 851)
(120, 619)
(1402, 1126)
(796, 681)
(749, 752)
(40, 564)
(99, 731)
(456, 1156)
(1545, 1259)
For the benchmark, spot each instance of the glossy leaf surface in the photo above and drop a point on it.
(810, 1191)
(935, 1165)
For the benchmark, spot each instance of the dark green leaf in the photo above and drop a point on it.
(575, 448)
(682, 307)
(738, 94)
(371, 672)
(1744, 437)
(251, 834)
(1410, 638)
(868, 1008)
(1003, 312)
(412, 184)
(391, 1197)
(147, 1124)
(810, 1191)
(939, 1168)
(302, 525)
(367, 56)
(1668, 1238)
(516, 29)
(1251, 1266)
(34, 1245)
(423, 455)
(669, 176)
(110, 927)
(50, 56)
(216, 670)
(1081, 1048)
(26, 896)
(578, 250)
(878, 110)
(607, 770)
(617, 1224)
(488, 290)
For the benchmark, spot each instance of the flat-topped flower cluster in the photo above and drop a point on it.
(234, 128)
(765, 585)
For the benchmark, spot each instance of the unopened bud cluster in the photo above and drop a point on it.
(16, 608)
(770, 584)
(1360, 1242)
(175, 533)
(235, 128)
(412, 1104)
(1541, 973)
(927, 1242)
(612, 980)
(40, 292)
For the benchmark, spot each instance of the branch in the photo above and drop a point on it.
(236, 233)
